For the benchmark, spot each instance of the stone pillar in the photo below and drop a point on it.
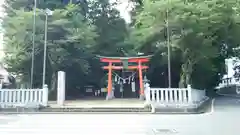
(61, 88)
(45, 95)
(147, 92)
(189, 89)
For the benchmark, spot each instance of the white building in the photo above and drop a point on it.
(228, 78)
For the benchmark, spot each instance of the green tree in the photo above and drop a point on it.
(67, 29)
(110, 28)
(199, 30)
(76, 33)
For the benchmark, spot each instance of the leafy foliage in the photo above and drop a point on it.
(199, 30)
(202, 34)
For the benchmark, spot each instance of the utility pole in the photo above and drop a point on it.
(45, 51)
(33, 42)
(169, 51)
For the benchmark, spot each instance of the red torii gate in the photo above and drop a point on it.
(139, 60)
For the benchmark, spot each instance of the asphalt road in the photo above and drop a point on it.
(224, 119)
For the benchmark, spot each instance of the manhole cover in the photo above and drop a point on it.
(164, 131)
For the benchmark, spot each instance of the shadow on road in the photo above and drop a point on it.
(225, 103)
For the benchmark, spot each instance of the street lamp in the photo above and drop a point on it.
(47, 13)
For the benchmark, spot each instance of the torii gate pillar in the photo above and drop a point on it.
(139, 60)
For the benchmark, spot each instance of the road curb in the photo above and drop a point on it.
(99, 111)
(229, 95)
(203, 108)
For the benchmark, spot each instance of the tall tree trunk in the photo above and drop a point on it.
(54, 81)
(181, 81)
(52, 89)
(186, 73)
(189, 71)
(188, 79)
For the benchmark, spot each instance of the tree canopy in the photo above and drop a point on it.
(202, 34)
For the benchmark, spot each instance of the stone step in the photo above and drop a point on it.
(95, 110)
(48, 109)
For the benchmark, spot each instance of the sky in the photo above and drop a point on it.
(124, 7)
